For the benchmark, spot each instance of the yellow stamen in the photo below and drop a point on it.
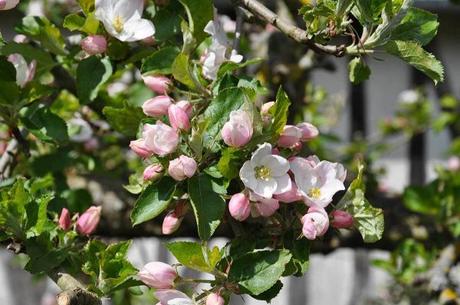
(314, 193)
(118, 24)
(263, 173)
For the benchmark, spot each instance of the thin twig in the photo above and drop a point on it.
(292, 31)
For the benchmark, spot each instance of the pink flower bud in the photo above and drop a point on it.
(181, 168)
(88, 221)
(290, 136)
(309, 131)
(262, 206)
(237, 132)
(239, 207)
(8, 4)
(291, 195)
(315, 223)
(139, 147)
(265, 109)
(178, 118)
(186, 106)
(341, 219)
(453, 163)
(153, 172)
(214, 299)
(94, 44)
(158, 275)
(19, 38)
(160, 138)
(171, 223)
(64, 219)
(159, 84)
(157, 106)
(167, 295)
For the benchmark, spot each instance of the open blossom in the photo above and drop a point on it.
(158, 83)
(290, 136)
(239, 207)
(139, 147)
(123, 19)
(24, 72)
(158, 275)
(181, 168)
(160, 138)
(318, 182)
(64, 219)
(215, 299)
(341, 219)
(266, 174)
(315, 223)
(172, 297)
(8, 4)
(237, 132)
(178, 118)
(94, 44)
(262, 206)
(157, 106)
(88, 221)
(309, 131)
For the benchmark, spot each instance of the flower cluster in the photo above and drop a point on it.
(85, 224)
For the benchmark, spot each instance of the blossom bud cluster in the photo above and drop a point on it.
(85, 224)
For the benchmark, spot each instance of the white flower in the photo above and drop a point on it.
(180, 301)
(123, 19)
(266, 174)
(218, 51)
(24, 73)
(408, 97)
(172, 297)
(318, 181)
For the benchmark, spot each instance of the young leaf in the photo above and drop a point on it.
(199, 13)
(280, 113)
(92, 73)
(182, 72)
(125, 120)
(44, 124)
(160, 61)
(190, 254)
(418, 25)
(412, 53)
(358, 70)
(259, 271)
(208, 206)
(153, 200)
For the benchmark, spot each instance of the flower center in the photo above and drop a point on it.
(118, 24)
(314, 193)
(263, 173)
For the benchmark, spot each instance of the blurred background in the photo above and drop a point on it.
(402, 124)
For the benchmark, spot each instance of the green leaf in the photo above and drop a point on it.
(167, 21)
(199, 13)
(270, 294)
(208, 206)
(358, 70)
(153, 200)
(190, 254)
(86, 5)
(280, 111)
(125, 120)
(44, 124)
(259, 271)
(8, 71)
(92, 73)
(76, 22)
(161, 61)
(418, 25)
(230, 66)
(423, 199)
(44, 256)
(229, 163)
(412, 53)
(181, 70)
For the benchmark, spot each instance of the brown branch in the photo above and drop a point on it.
(73, 292)
(292, 31)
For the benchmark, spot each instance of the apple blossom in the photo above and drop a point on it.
(64, 219)
(160, 138)
(123, 19)
(8, 4)
(317, 182)
(239, 207)
(186, 106)
(290, 136)
(178, 118)
(181, 168)
(265, 112)
(139, 147)
(238, 131)
(172, 297)
(158, 275)
(174, 218)
(158, 83)
(88, 221)
(315, 223)
(24, 72)
(215, 299)
(266, 174)
(341, 219)
(292, 195)
(94, 44)
(157, 106)
(309, 131)
(453, 163)
(152, 172)
(264, 207)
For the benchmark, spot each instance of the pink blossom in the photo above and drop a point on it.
(157, 106)
(178, 118)
(160, 138)
(290, 136)
(262, 206)
(453, 163)
(341, 219)
(139, 147)
(181, 168)
(186, 106)
(315, 223)
(94, 44)
(88, 221)
(8, 4)
(158, 275)
(174, 218)
(265, 112)
(152, 172)
(172, 296)
(64, 219)
(214, 299)
(24, 72)
(239, 207)
(157, 83)
(237, 132)
(309, 131)
(292, 195)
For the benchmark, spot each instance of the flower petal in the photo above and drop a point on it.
(265, 188)
(263, 150)
(284, 184)
(278, 165)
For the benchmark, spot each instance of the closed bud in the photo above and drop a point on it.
(186, 106)
(139, 147)
(265, 112)
(64, 219)
(181, 168)
(158, 275)
(315, 223)
(171, 223)
(239, 207)
(94, 44)
(152, 172)
(290, 136)
(8, 4)
(157, 106)
(309, 131)
(88, 221)
(157, 83)
(237, 132)
(341, 219)
(178, 118)
(214, 299)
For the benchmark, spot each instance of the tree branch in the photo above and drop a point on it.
(73, 292)
(294, 32)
